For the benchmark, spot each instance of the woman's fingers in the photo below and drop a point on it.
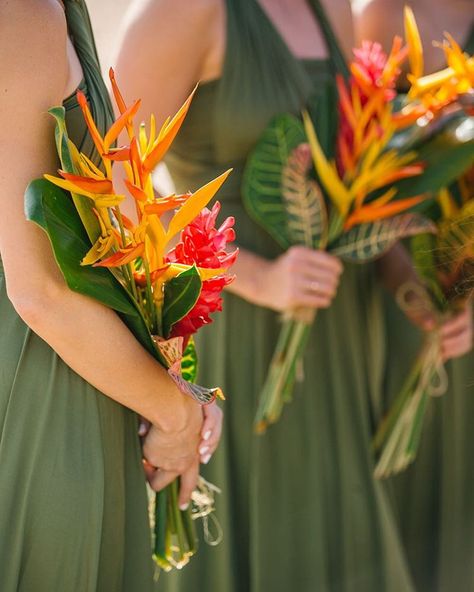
(159, 479)
(314, 258)
(211, 431)
(143, 427)
(457, 335)
(188, 484)
(456, 325)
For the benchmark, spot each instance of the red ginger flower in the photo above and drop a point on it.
(371, 87)
(205, 245)
(369, 66)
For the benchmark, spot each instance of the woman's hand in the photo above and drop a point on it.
(300, 278)
(169, 454)
(456, 333)
(211, 431)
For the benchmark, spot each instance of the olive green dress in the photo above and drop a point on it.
(434, 497)
(73, 507)
(299, 508)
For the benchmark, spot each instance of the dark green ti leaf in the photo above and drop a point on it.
(181, 294)
(446, 157)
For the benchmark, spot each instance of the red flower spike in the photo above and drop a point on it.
(205, 245)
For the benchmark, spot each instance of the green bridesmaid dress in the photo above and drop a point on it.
(299, 508)
(73, 506)
(434, 497)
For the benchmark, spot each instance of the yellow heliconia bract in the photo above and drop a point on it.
(415, 47)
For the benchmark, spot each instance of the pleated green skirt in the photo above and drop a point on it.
(73, 507)
(434, 497)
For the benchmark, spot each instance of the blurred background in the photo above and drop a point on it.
(107, 17)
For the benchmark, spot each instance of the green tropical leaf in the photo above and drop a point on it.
(304, 201)
(189, 362)
(52, 209)
(455, 251)
(83, 204)
(181, 294)
(446, 157)
(368, 241)
(261, 188)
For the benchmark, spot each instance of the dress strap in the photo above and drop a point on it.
(337, 57)
(81, 35)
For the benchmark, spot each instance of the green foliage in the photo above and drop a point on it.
(189, 363)
(368, 241)
(52, 209)
(304, 202)
(446, 155)
(181, 294)
(261, 188)
(83, 204)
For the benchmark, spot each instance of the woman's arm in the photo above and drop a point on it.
(90, 338)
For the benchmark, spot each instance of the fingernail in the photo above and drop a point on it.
(184, 507)
(207, 435)
(206, 459)
(203, 450)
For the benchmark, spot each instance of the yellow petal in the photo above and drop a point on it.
(327, 172)
(194, 204)
(415, 47)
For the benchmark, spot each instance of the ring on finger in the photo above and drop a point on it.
(314, 286)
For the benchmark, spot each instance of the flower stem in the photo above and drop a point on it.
(278, 386)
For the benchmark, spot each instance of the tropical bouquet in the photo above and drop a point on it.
(358, 204)
(163, 294)
(444, 261)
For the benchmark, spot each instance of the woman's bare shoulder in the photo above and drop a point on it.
(378, 20)
(197, 12)
(33, 47)
(340, 16)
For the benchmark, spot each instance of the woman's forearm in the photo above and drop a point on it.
(95, 343)
(395, 268)
(248, 270)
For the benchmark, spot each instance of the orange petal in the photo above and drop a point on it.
(94, 132)
(117, 127)
(98, 186)
(369, 213)
(167, 135)
(122, 257)
(136, 192)
(165, 205)
(118, 154)
(345, 101)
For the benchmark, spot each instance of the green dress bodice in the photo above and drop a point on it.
(73, 505)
